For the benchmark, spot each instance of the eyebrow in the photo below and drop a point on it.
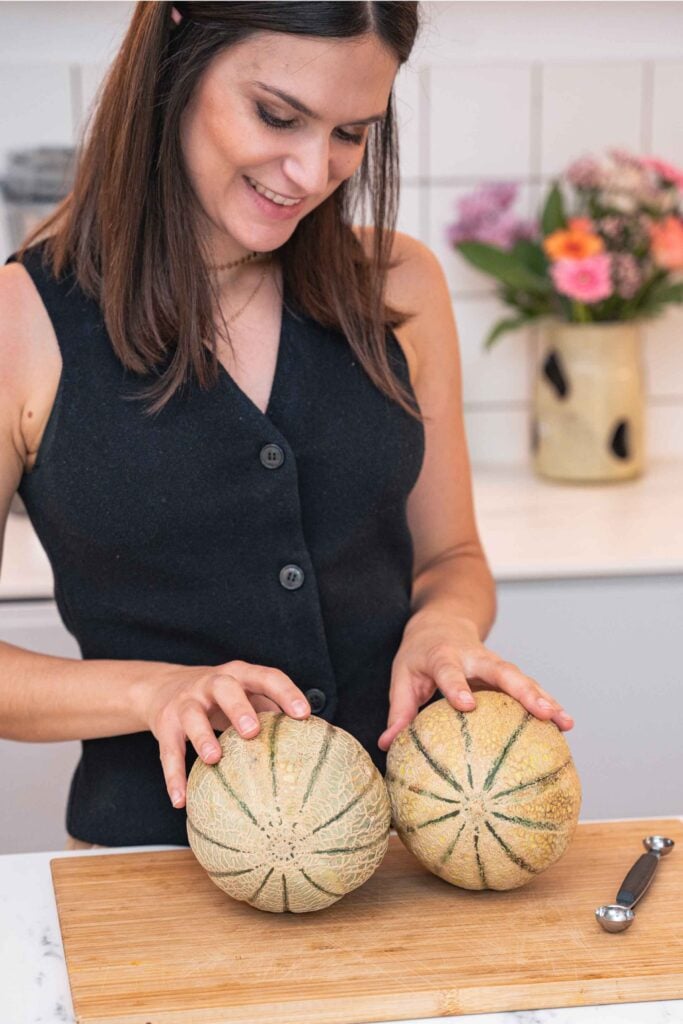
(303, 109)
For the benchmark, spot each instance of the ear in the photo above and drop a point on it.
(177, 17)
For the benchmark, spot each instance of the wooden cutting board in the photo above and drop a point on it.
(149, 939)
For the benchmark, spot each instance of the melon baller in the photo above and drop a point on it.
(615, 917)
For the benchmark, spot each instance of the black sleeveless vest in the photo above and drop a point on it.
(213, 532)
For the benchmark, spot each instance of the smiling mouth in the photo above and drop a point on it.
(274, 197)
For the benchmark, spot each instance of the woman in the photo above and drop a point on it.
(235, 420)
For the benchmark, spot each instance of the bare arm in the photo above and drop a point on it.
(453, 601)
(44, 698)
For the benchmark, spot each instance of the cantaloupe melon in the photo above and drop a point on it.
(485, 799)
(292, 819)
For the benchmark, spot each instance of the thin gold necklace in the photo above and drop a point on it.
(235, 263)
(258, 285)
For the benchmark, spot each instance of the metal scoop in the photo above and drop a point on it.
(614, 917)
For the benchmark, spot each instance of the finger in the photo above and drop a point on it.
(231, 698)
(172, 753)
(450, 678)
(198, 729)
(273, 683)
(261, 703)
(403, 707)
(220, 721)
(510, 679)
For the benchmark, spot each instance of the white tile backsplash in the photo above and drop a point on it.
(498, 436)
(662, 341)
(496, 374)
(667, 119)
(407, 92)
(91, 78)
(35, 107)
(498, 91)
(586, 107)
(664, 429)
(480, 120)
(409, 220)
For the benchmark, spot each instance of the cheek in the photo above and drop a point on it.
(346, 165)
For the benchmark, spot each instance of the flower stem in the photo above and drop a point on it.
(581, 314)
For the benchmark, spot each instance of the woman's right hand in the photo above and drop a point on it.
(191, 701)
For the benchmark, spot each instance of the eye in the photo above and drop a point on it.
(270, 119)
(357, 140)
(278, 123)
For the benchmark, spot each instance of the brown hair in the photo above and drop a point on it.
(123, 229)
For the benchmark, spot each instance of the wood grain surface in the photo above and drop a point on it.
(149, 939)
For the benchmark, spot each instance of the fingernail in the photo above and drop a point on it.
(544, 703)
(176, 797)
(208, 750)
(247, 723)
(300, 706)
(466, 697)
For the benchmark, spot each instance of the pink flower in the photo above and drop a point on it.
(666, 171)
(587, 280)
(623, 156)
(626, 274)
(585, 173)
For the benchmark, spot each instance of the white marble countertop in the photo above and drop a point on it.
(538, 529)
(530, 529)
(34, 985)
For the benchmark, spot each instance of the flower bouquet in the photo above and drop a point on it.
(590, 270)
(612, 257)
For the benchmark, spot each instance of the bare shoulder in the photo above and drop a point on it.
(416, 285)
(416, 267)
(16, 300)
(30, 363)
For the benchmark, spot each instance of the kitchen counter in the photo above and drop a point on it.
(530, 529)
(35, 985)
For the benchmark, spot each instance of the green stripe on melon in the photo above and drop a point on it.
(290, 820)
(511, 784)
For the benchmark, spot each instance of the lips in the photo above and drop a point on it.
(292, 200)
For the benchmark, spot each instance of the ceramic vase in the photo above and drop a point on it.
(589, 402)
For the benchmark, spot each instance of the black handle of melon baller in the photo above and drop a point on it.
(638, 879)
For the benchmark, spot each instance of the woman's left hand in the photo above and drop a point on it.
(439, 652)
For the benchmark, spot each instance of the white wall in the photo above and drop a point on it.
(496, 91)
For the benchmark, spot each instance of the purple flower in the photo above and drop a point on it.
(485, 216)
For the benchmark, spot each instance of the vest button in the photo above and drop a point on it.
(272, 456)
(317, 700)
(291, 577)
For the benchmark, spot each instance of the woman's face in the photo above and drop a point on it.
(238, 131)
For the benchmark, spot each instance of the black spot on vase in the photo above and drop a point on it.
(620, 442)
(555, 375)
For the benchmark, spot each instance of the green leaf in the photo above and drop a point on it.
(531, 255)
(667, 292)
(553, 217)
(511, 324)
(504, 265)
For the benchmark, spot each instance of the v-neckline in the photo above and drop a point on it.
(277, 373)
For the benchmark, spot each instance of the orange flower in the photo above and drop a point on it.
(667, 242)
(572, 245)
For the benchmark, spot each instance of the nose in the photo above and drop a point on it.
(308, 166)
